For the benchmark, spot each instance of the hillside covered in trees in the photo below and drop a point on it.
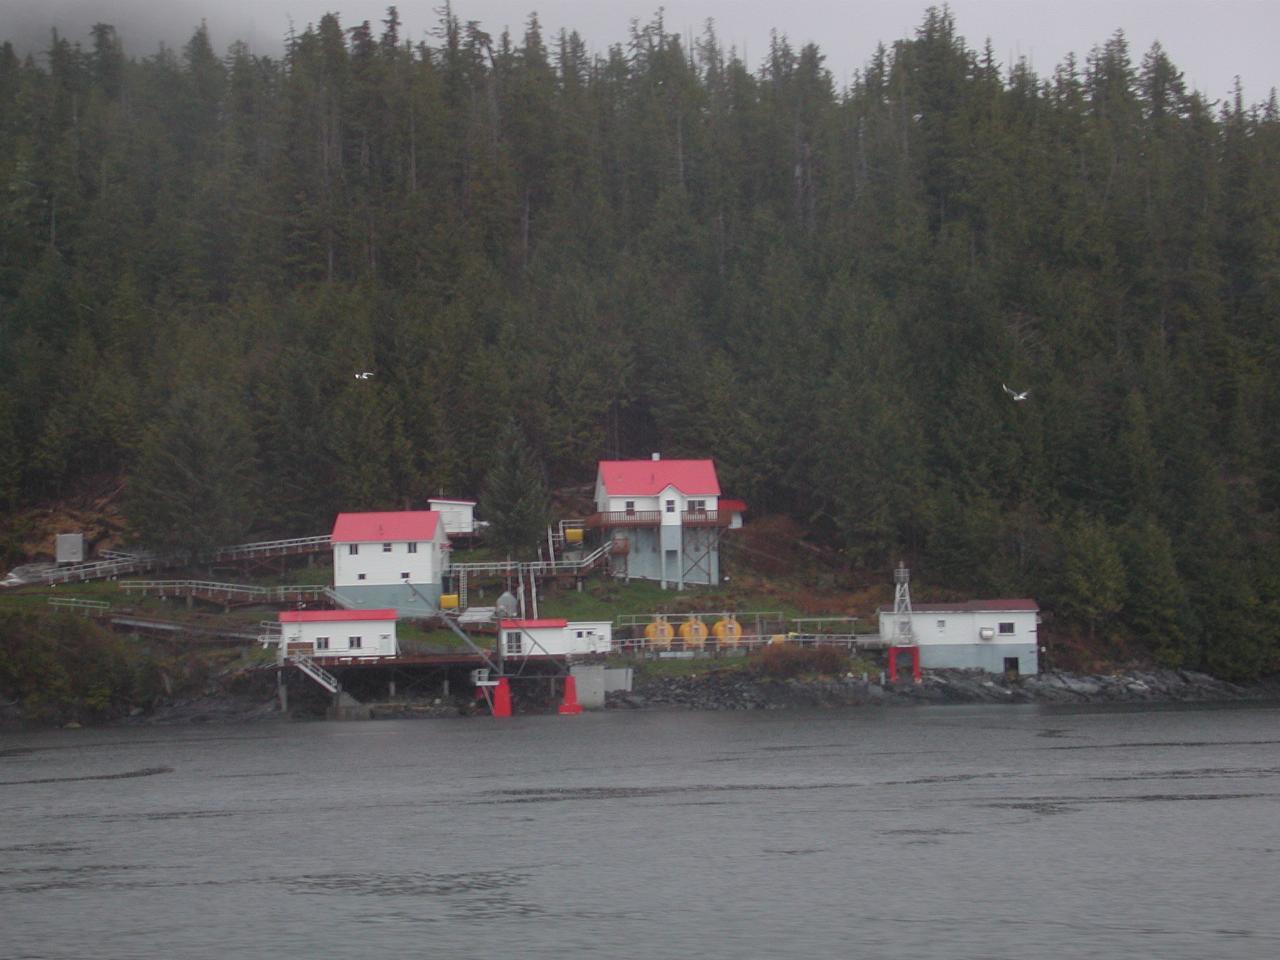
(657, 249)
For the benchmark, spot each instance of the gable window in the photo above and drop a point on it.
(322, 643)
(671, 506)
(413, 548)
(353, 549)
(386, 548)
(1006, 627)
(355, 643)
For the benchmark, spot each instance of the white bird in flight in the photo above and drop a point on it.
(1017, 397)
(366, 374)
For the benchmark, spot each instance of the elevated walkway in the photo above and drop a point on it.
(120, 565)
(228, 594)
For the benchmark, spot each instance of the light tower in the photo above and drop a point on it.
(904, 636)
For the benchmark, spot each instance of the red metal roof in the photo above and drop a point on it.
(531, 624)
(393, 525)
(733, 506)
(646, 478)
(971, 606)
(334, 616)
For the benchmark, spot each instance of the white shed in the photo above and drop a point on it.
(339, 633)
(1000, 636)
(458, 516)
(554, 638)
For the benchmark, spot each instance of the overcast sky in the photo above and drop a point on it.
(1211, 41)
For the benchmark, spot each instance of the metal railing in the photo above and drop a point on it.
(123, 564)
(79, 604)
(316, 672)
(711, 646)
(623, 518)
(225, 591)
(541, 567)
(742, 616)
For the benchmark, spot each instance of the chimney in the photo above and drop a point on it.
(657, 456)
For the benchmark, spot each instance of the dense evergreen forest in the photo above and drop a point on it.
(657, 249)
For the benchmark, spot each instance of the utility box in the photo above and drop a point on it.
(69, 548)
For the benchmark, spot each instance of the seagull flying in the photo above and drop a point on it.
(366, 374)
(1017, 397)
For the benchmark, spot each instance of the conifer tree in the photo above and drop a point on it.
(514, 499)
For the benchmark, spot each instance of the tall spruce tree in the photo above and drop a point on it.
(514, 500)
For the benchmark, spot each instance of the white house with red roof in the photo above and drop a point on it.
(392, 559)
(665, 518)
(554, 638)
(338, 633)
(1000, 636)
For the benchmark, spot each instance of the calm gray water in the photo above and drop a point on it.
(956, 832)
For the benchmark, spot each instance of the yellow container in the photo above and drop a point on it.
(727, 632)
(694, 633)
(448, 601)
(573, 535)
(658, 633)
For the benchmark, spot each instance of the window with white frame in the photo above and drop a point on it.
(629, 507)
(360, 576)
(404, 575)
(697, 506)
(386, 548)
(942, 626)
(355, 643)
(671, 506)
(353, 549)
(322, 643)
(1006, 627)
(413, 548)
(515, 643)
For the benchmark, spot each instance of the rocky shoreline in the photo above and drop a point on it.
(720, 689)
(738, 690)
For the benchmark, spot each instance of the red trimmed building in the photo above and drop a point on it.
(338, 633)
(392, 559)
(665, 519)
(554, 637)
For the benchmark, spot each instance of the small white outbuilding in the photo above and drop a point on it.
(338, 633)
(554, 638)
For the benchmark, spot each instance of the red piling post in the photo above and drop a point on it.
(570, 706)
(893, 664)
(502, 698)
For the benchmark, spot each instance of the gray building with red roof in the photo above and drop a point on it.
(664, 519)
